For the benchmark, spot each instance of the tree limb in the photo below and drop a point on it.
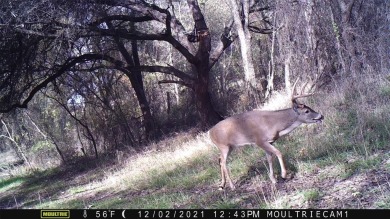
(260, 30)
(226, 40)
(257, 8)
(71, 62)
(167, 70)
(175, 82)
(121, 18)
(136, 35)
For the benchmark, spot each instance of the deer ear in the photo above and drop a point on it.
(295, 105)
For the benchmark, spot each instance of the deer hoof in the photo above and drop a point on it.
(288, 176)
(273, 179)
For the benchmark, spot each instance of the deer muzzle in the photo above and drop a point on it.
(318, 119)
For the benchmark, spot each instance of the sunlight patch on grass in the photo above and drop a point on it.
(8, 184)
(226, 204)
(383, 203)
(306, 167)
(179, 165)
(311, 194)
(361, 165)
(283, 202)
(158, 201)
(162, 201)
(328, 170)
(297, 199)
(157, 169)
(79, 189)
(62, 203)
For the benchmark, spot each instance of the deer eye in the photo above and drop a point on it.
(307, 111)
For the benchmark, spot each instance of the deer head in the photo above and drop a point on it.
(305, 113)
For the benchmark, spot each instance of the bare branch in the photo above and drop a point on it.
(226, 40)
(136, 35)
(257, 8)
(122, 18)
(37, 33)
(71, 62)
(167, 70)
(260, 30)
(175, 82)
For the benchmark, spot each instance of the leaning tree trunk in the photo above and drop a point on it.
(136, 81)
(138, 86)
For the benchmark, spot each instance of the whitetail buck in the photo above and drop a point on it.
(261, 128)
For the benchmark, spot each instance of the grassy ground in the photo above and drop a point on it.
(342, 163)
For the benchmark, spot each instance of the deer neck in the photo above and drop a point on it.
(291, 122)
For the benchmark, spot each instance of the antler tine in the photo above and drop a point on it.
(293, 89)
(304, 86)
(302, 95)
(294, 97)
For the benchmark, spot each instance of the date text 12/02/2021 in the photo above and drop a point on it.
(243, 214)
(199, 214)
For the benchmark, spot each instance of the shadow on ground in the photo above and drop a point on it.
(31, 190)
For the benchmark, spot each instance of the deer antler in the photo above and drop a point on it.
(295, 97)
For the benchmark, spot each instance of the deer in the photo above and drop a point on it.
(261, 128)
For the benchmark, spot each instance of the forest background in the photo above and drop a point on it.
(97, 83)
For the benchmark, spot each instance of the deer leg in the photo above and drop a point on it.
(272, 150)
(225, 151)
(271, 169)
(222, 186)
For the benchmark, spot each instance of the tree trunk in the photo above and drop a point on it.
(287, 74)
(18, 149)
(207, 113)
(271, 69)
(348, 36)
(244, 36)
(138, 85)
(135, 77)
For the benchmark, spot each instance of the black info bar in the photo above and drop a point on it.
(193, 213)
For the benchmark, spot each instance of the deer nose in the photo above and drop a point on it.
(319, 118)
